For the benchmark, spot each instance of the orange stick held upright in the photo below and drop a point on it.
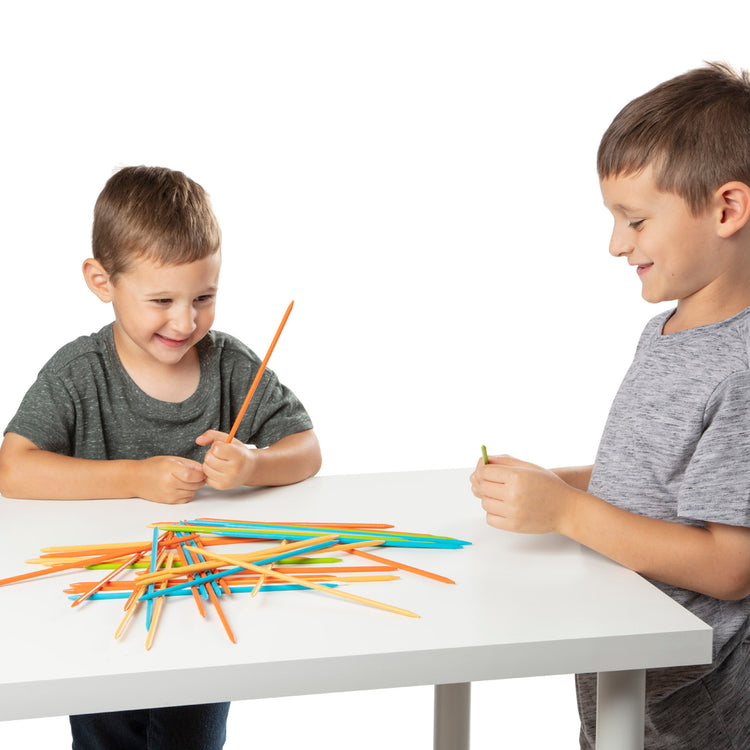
(260, 372)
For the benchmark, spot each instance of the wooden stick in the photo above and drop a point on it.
(276, 574)
(311, 572)
(219, 581)
(131, 605)
(258, 375)
(352, 545)
(363, 526)
(152, 568)
(126, 548)
(196, 595)
(108, 577)
(158, 608)
(130, 611)
(219, 611)
(59, 568)
(249, 557)
(60, 559)
(252, 530)
(400, 566)
(262, 579)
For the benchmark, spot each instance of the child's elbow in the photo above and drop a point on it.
(735, 591)
(733, 585)
(12, 473)
(314, 458)
(10, 484)
(6, 477)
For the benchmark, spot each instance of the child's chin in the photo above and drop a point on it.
(653, 297)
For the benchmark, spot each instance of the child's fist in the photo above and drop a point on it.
(170, 479)
(226, 465)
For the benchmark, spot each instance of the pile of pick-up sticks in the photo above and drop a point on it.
(178, 562)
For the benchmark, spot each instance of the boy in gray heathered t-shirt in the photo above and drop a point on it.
(669, 492)
(143, 407)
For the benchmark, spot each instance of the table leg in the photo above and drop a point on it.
(620, 706)
(452, 716)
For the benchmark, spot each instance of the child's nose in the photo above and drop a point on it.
(619, 245)
(183, 319)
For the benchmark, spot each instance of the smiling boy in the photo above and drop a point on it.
(130, 410)
(680, 255)
(669, 493)
(143, 407)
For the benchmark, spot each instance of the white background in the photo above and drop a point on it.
(419, 177)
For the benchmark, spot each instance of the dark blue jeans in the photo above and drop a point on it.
(202, 727)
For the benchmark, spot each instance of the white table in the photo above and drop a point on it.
(521, 606)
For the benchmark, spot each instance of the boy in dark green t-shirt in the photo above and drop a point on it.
(143, 407)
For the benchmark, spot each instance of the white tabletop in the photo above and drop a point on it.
(521, 606)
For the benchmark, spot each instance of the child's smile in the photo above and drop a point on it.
(161, 313)
(176, 343)
(677, 254)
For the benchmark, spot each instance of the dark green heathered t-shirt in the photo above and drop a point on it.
(84, 404)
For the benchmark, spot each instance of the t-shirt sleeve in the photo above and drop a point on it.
(273, 413)
(716, 485)
(46, 415)
(278, 413)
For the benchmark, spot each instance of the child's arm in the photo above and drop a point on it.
(522, 497)
(576, 476)
(29, 472)
(228, 465)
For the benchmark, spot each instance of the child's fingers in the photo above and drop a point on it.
(503, 470)
(212, 436)
(510, 461)
(218, 479)
(189, 471)
(221, 451)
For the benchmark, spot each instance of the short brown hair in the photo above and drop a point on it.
(156, 213)
(693, 129)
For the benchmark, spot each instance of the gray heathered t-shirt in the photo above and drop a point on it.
(676, 445)
(84, 404)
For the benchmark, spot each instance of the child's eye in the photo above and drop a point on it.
(637, 225)
(204, 299)
(161, 301)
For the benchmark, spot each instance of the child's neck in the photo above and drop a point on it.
(725, 291)
(165, 382)
(693, 313)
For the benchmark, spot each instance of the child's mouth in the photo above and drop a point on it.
(173, 343)
(643, 268)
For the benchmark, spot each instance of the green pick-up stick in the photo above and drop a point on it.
(484, 454)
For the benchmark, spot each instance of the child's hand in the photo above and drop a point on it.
(226, 465)
(519, 496)
(169, 479)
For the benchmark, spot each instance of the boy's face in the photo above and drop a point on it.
(162, 311)
(675, 253)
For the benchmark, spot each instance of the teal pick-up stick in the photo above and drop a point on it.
(484, 455)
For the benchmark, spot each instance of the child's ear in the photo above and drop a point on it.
(97, 279)
(734, 198)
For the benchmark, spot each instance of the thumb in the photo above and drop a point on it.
(192, 470)
(211, 436)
